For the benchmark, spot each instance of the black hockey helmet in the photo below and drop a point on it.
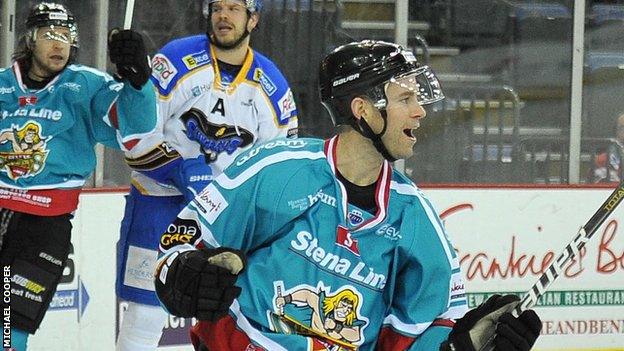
(363, 69)
(52, 14)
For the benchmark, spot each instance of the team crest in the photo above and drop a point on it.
(214, 139)
(23, 150)
(332, 318)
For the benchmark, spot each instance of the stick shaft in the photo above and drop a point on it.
(128, 15)
(571, 250)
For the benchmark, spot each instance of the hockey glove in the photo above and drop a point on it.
(471, 332)
(191, 176)
(127, 52)
(199, 283)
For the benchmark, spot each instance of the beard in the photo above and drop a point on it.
(233, 44)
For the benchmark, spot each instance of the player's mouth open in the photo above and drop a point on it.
(224, 28)
(57, 57)
(410, 132)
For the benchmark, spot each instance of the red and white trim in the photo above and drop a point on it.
(382, 192)
(20, 81)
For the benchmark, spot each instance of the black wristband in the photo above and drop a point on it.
(287, 299)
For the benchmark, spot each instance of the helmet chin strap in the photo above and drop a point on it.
(366, 131)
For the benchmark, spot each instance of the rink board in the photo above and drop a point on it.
(505, 238)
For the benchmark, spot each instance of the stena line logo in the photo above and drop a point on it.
(307, 246)
(344, 239)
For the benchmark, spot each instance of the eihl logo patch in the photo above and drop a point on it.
(355, 217)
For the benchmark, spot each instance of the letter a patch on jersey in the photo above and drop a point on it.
(344, 239)
(218, 107)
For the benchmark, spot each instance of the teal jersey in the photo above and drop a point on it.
(47, 136)
(321, 271)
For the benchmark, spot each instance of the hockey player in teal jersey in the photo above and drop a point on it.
(52, 114)
(320, 245)
(217, 97)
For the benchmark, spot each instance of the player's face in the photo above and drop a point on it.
(342, 310)
(404, 115)
(51, 51)
(30, 136)
(229, 20)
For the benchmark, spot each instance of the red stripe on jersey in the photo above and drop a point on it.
(443, 323)
(389, 340)
(52, 202)
(112, 116)
(129, 145)
(221, 335)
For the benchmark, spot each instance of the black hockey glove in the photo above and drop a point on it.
(127, 51)
(199, 283)
(472, 331)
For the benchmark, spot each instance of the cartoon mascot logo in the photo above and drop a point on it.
(27, 153)
(214, 139)
(333, 319)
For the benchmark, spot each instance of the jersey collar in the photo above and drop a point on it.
(20, 82)
(382, 192)
(239, 77)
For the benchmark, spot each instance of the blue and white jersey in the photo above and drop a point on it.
(47, 136)
(230, 113)
(321, 271)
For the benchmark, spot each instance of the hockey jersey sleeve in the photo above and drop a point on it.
(277, 111)
(244, 207)
(167, 70)
(430, 295)
(154, 157)
(281, 122)
(120, 114)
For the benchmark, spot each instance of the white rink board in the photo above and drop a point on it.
(511, 227)
(95, 232)
(523, 226)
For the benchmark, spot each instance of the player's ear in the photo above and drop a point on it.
(253, 20)
(359, 107)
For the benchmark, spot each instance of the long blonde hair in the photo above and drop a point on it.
(29, 127)
(331, 302)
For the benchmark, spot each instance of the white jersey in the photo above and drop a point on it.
(206, 110)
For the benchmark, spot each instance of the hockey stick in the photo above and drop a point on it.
(571, 250)
(128, 22)
(128, 15)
